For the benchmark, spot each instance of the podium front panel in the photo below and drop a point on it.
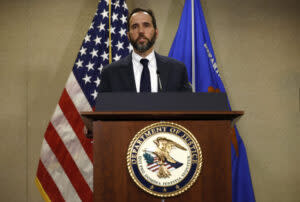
(112, 181)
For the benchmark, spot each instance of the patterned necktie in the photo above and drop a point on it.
(145, 85)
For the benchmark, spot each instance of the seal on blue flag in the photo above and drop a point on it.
(164, 159)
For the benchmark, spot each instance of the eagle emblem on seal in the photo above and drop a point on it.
(163, 158)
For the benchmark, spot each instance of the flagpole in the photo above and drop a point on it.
(109, 32)
(193, 50)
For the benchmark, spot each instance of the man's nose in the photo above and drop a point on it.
(141, 30)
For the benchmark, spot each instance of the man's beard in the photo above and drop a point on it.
(141, 48)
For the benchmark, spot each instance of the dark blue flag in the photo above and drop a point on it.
(207, 79)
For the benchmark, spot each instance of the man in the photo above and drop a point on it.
(144, 70)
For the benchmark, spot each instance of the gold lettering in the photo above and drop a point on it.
(142, 139)
(192, 145)
(152, 131)
(194, 161)
(137, 147)
(190, 142)
(194, 157)
(147, 134)
(186, 138)
(158, 129)
(134, 151)
(175, 131)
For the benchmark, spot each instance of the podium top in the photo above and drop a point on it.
(167, 101)
(162, 115)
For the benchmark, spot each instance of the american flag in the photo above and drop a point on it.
(65, 170)
(155, 166)
(153, 163)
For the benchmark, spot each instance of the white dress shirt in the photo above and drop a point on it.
(138, 68)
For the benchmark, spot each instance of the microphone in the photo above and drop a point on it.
(159, 81)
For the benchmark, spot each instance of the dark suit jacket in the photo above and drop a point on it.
(119, 76)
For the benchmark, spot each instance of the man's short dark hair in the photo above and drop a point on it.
(136, 10)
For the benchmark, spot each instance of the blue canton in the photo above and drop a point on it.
(94, 51)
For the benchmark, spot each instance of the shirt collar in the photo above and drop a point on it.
(137, 58)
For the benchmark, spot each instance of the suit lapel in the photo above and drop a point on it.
(163, 69)
(127, 72)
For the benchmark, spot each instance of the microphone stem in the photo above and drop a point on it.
(159, 82)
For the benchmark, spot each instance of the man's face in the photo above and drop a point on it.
(142, 34)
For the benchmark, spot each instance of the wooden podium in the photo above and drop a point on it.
(113, 132)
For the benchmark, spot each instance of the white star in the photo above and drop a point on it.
(90, 66)
(82, 51)
(101, 27)
(129, 48)
(122, 32)
(100, 68)
(123, 19)
(119, 45)
(107, 42)
(87, 79)
(112, 30)
(117, 57)
(97, 40)
(114, 17)
(117, 4)
(92, 26)
(97, 82)
(94, 53)
(107, 2)
(94, 94)
(87, 38)
(124, 6)
(104, 56)
(79, 63)
(104, 14)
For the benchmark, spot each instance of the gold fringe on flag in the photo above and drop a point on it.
(42, 191)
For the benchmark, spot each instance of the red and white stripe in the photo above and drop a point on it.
(154, 166)
(65, 171)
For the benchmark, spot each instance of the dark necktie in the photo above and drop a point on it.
(145, 85)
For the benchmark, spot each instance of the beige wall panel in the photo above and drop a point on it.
(13, 101)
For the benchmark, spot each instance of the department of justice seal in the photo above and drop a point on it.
(164, 159)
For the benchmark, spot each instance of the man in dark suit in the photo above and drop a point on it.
(144, 70)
